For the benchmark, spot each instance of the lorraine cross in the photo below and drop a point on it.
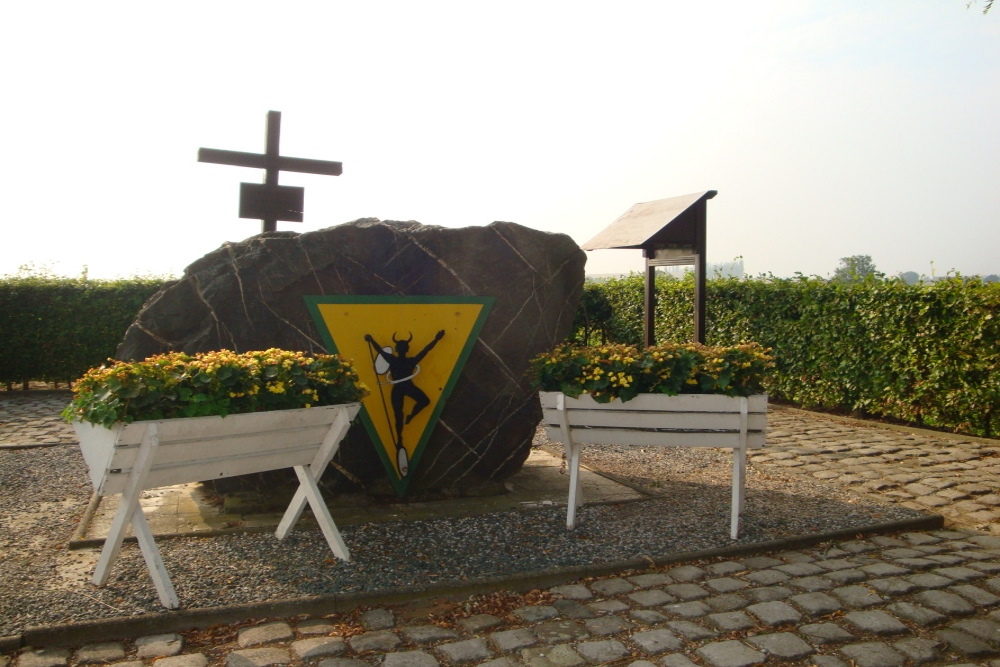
(271, 202)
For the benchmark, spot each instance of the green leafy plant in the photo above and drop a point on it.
(620, 371)
(219, 383)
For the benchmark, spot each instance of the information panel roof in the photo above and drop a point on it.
(646, 224)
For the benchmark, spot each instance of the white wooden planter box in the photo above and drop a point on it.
(651, 420)
(131, 458)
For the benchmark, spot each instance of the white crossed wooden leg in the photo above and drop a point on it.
(573, 450)
(129, 512)
(308, 491)
(739, 473)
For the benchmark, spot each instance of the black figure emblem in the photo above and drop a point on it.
(399, 370)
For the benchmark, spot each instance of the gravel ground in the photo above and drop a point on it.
(45, 491)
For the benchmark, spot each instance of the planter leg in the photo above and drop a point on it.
(573, 453)
(309, 492)
(154, 563)
(739, 473)
(322, 514)
(575, 497)
(128, 505)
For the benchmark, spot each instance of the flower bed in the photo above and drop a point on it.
(217, 383)
(683, 395)
(608, 372)
(160, 422)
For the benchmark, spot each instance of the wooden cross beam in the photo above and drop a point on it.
(271, 202)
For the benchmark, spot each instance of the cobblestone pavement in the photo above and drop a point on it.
(928, 597)
(958, 478)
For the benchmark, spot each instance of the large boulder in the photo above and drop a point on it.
(249, 296)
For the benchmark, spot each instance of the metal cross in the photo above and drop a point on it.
(271, 202)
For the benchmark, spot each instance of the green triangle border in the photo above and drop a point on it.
(313, 303)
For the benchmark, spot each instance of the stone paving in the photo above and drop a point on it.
(956, 477)
(886, 601)
(919, 598)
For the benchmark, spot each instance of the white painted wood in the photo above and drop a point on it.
(202, 448)
(658, 420)
(128, 505)
(129, 459)
(326, 452)
(154, 563)
(619, 435)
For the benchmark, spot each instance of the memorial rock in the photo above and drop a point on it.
(251, 296)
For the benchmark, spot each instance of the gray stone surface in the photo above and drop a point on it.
(43, 657)
(730, 621)
(986, 630)
(647, 616)
(651, 598)
(557, 632)
(856, 596)
(410, 659)
(873, 654)
(686, 591)
(249, 296)
(465, 651)
(613, 586)
(965, 643)
(783, 645)
(376, 640)
(318, 647)
(479, 622)
(686, 573)
(875, 622)
(606, 625)
(691, 630)
(825, 633)
(259, 657)
(573, 609)
(774, 613)
(158, 646)
(688, 609)
(654, 642)
(182, 660)
(573, 592)
(918, 649)
(562, 655)
(507, 641)
(947, 603)
(815, 604)
(676, 660)
(314, 626)
(264, 634)
(601, 651)
(378, 619)
(426, 634)
(535, 613)
(730, 653)
(100, 653)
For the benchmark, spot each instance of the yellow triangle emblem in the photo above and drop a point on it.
(409, 350)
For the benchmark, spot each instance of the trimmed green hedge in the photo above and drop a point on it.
(927, 353)
(54, 329)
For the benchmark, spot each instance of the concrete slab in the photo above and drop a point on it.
(187, 508)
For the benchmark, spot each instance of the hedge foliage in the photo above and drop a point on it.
(927, 353)
(54, 329)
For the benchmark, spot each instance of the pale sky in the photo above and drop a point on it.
(829, 129)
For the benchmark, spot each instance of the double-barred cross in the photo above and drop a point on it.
(271, 202)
